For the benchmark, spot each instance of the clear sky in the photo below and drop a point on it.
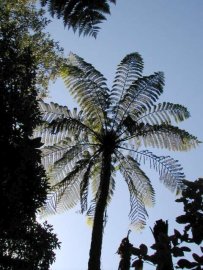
(169, 36)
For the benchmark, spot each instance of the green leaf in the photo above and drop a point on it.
(142, 93)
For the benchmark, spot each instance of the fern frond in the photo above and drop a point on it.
(91, 211)
(50, 154)
(60, 123)
(161, 113)
(66, 193)
(142, 93)
(87, 27)
(169, 169)
(48, 138)
(67, 162)
(131, 171)
(138, 211)
(140, 189)
(83, 16)
(95, 180)
(88, 87)
(95, 177)
(86, 179)
(53, 111)
(84, 188)
(168, 137)
(72, 127)
(159, 136)
(129, 69)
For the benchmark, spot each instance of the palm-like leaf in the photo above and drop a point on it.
(85, 148)
(127, 72)
(88, 87)
(161, 136)
(165, 112)
(66, 193)
(169, 169)
(142, 93)
(83, 16)
(131, 170)
(127, 113)
(168, 137)
(140, 188)
(129, 69)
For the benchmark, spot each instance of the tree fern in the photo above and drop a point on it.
(84, 148)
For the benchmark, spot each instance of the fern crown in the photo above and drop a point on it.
(124, 121)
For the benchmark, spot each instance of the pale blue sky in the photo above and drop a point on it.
(169, 36)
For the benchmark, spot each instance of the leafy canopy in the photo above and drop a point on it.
(124, 121)
(169, 248)
(30, 22)
(24, 243)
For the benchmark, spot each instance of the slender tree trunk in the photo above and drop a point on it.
(163, 253)
(125, 252)
(97, 231)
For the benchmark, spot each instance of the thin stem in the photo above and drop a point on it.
(101, 203)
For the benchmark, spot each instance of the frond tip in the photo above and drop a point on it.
(168, 137)
(169, 169)
(88, 87)
(162, 113)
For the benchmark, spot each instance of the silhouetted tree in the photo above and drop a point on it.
(125, 252)
(27, 245)
(91, 145)
(30, 23)
(24, 244)
(169, 247)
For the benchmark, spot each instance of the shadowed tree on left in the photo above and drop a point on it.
(24, 243)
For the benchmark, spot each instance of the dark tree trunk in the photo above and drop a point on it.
(125, 252)
(163, 253)
(97, 231)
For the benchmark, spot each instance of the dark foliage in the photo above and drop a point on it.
(125, 252)
(30, 23)
(23, 178)
(168, 247)
(193, 207)
(24, 244)
(28, 247)
(83, 15)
